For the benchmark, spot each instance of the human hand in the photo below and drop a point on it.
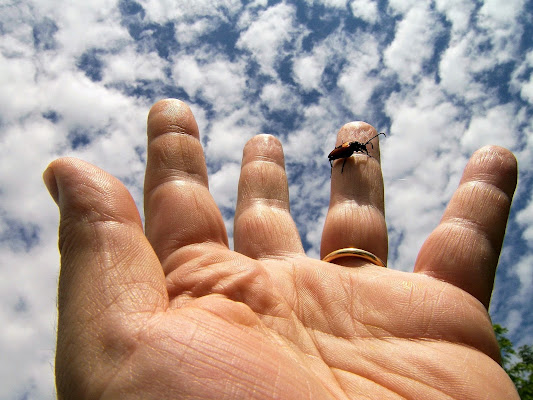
(173, 313)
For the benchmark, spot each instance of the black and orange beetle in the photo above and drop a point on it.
(346, 149)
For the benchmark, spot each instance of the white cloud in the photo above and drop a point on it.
(457, 67)
(194, 19)
(73, 21)
(97, 108)
(522, 270)
(422, 122)
(27, 337)
(527, 90)
(522, 80)
(357, 79)
(129, 66)
(498, 125)
(320, 123)
(360, 58)
(478, 50)
(188, 74)
(257, 3)
(367, 10)
(309, 198)
(278, 97)
(403, 6)
(162, 11)
(14, 81)
(524, 218)
(212, 78)
(358, 87)
(308, 70)
(313, 227)
(266, 36)
(200, 115)
(224, 80)
(458, 12)
(412, 222)
(223, 185)
(413, 44)
(422, 164)
(524, 157)
(228, 135)
(514, 320)
(187, 33)
(414, 207)
(498, 13)
(15, 152)
(329, 3)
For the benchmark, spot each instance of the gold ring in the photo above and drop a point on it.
(353, 252)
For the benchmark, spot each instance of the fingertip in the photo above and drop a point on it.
(360, 131)
(166, 105)
(58, 171)
(51, 183)
(263, 147)
(263, 171)
(171, 116)
(496, 157)
(79, 187)
(496, 150)
(355, 130)
(263, 138)
(494, 165)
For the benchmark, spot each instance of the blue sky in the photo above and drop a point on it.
(442, 78)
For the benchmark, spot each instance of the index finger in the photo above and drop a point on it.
(182, 217)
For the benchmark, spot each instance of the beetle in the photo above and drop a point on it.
(346, 149)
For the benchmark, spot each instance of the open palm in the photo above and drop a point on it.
(172, 313)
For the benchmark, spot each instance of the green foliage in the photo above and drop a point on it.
(517, 364)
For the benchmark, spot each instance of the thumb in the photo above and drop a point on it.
(110, 277)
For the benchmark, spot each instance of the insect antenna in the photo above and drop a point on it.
(373, 137)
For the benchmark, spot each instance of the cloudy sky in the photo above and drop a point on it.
(442, 78)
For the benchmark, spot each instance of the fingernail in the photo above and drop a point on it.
(49, 179)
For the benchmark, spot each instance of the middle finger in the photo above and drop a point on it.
(264, 227)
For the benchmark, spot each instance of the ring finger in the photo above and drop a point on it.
(356, 215)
